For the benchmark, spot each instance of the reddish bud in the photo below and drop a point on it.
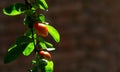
(41, 29)
(45, 55)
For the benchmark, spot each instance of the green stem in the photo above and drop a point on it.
(28, 5)
(35, 48)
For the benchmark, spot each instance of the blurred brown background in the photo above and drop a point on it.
(90, 37)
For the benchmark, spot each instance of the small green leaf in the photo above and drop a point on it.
(12, 54)
(33, 61)
(15, 9)
(54, 33)
(43, 5)
(29, 49)
(49, 45)
(49, 66)
(42, 43)
(42, 18)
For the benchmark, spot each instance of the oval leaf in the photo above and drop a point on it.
(42, 18)
(43, 5)
(42, 43)
(15, 9)
(49, 66)
(12, 47)
(12, 54)
(49, 45)
(54, 33)
(29, 49)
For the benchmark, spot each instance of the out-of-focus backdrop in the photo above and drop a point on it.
(90, 36)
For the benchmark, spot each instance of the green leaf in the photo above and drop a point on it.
(33, 61)
(42, 43)
(42, 18)
(12, 54)
(14, 51)
(23, 40)
(29, 49)
(49, 45)
(49, 66)
(54, 33)
(14, 9)
(43, 5)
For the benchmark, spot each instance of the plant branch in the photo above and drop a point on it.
(35, 48)
(28, 5)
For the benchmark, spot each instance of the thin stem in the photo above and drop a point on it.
(35, 48)
(28, 5)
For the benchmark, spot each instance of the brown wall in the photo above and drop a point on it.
(89, 36)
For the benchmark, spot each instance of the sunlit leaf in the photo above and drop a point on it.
(54, 33)
(29, 49)
(42, 43)
(14, 9)
(42, 18)
(33, 61)
(43, 4)
(49, 66)
(49, 45)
